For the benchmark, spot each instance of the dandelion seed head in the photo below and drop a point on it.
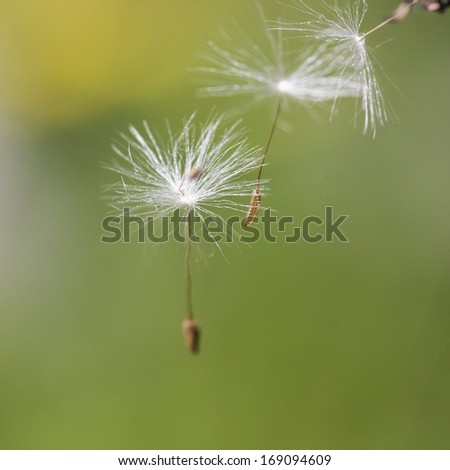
(271, 67)
(339, 29)
(200, 169)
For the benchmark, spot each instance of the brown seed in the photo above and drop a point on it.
(255, 204)
(191, 333)
(402, 11)
(195, 173)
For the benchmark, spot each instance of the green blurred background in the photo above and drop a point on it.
(304, 346)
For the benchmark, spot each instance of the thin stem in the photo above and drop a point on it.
(255, 202)
(189, 308)
(399, 14)
(269, 142)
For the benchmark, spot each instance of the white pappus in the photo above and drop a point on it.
(339, 30)
(198, 170)
(271, 67)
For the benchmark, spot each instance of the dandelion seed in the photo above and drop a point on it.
(403, 10)
(255, 204)
(191, 333)
(197, 172)
(339, 30)
(265, 69)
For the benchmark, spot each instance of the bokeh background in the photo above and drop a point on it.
(304, 346)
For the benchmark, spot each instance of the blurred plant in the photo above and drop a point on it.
(196, 172)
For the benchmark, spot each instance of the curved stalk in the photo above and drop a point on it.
(255, 202)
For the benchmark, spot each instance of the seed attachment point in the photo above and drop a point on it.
(285, 86)
(195, 173)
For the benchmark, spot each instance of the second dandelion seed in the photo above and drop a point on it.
(267, 69)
